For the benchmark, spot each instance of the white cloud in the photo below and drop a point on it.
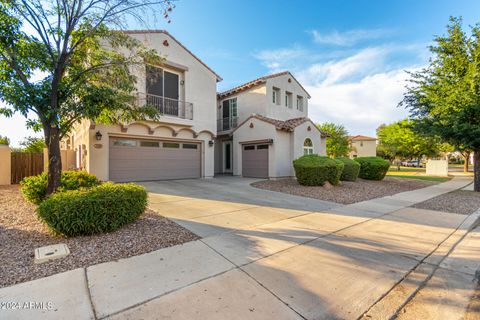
(361, 106)
(363, 63)
(347, 38)
(274, 60)
(360, 91)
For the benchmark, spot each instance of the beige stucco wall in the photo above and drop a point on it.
(99, 150)
(260, 131)
(68, 159)
(258, 100)
(199, 83)
(286, 146)
(197, 86)
(280, 111)
(369, 148)
(5, 165)
(437, 168)
(248, 103)
(301, 133)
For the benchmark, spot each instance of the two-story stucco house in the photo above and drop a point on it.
(180, 145)
(362, 146)
(263, 126)
(254, 130)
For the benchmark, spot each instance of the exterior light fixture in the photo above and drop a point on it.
(98, 136)
(210, 143)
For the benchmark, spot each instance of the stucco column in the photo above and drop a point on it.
(5, 165)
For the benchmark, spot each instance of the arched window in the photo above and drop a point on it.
(307, 146)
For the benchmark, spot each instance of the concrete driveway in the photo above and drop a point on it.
(319, 259)
(267, 255)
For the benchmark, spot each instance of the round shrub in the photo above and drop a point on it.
(100, 209)
(351, 169)
(34, 188)
(373, 168)
(315, 170)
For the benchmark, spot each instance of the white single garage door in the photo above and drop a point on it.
(144, 160)
(255, 160)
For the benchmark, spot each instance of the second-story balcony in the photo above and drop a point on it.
(167, 106)
(225, 124)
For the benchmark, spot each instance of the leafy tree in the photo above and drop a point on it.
(33, 144)
(84, 61)
(4, 140)
(444, 98)
(337, 143)
(399, 140)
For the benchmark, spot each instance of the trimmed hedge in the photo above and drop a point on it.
(351, 169)
(373, 168)
(102, 208)
(34, 188)
(315, 170)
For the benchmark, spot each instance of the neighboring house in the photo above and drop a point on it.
(263, 126)
(178, 146)
(362, 146)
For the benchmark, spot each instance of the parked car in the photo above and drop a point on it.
(413, 163)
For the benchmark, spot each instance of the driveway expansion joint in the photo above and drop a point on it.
(423, 283)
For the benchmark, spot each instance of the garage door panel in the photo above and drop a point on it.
(141, 163)
(255, 161)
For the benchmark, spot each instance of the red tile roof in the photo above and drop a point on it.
(361, 138)
(255, 83)
(287, 125)
(168, 34)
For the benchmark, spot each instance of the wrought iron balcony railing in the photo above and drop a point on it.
(167, 106)
(226, 124)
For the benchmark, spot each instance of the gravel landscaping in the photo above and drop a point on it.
(460, 201)
(21, 232)
(347, 192)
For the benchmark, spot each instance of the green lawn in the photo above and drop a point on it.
(405, 169)
(418, 177)
(413, 173)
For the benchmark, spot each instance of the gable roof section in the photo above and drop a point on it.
(361, 138)
(256, 82)
(179, 43)
(287, 125)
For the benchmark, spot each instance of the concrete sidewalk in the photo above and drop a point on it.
(288, 260)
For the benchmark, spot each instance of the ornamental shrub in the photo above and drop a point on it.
(34, 188)
(100, 209)
(373, 168)
(315, 170)
(351, 169)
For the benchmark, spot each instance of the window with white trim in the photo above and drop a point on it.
(276, 96)
(307, 146)
(288, 99)
(300, 103)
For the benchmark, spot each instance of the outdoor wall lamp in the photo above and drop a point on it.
(210, 143)
(98, 136)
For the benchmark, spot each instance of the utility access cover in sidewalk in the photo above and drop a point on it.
(47, 253)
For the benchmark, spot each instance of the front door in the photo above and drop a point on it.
(227, 156)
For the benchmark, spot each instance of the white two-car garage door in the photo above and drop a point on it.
(143, 160)
(255, 160)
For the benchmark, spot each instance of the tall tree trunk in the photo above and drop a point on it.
(52, 136)
(466, 156)
(476, 170)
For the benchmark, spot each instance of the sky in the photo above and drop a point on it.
(350, 55)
